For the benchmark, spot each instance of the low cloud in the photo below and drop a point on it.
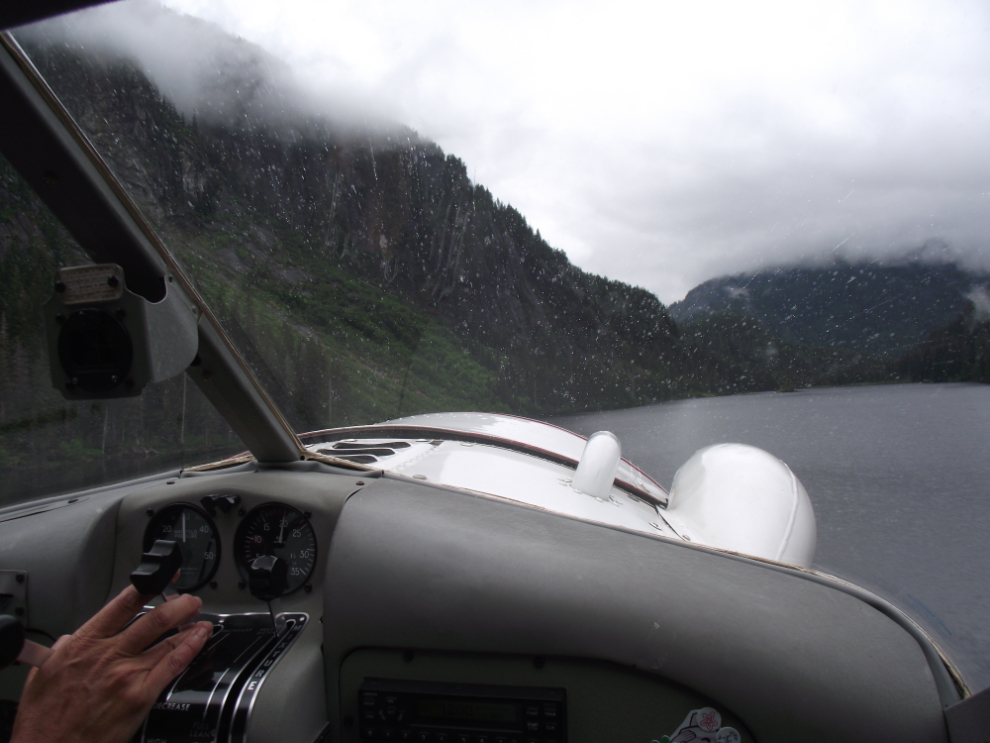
(980, 298)
(205, 71)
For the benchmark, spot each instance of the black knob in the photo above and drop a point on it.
(223, 502)
(157, 568)
(11, 639)
(268, 577)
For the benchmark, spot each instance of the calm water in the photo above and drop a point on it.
(899, 476)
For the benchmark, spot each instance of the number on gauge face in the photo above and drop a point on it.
(282, 531)
(198, 541)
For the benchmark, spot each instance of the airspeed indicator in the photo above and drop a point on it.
(279, 530)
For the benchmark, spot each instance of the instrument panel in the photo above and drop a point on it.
(271, 528)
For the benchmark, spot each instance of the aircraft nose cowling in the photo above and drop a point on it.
(743, 499)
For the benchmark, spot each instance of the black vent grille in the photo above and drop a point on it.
(363, 453)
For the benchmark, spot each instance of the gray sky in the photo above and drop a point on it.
(657, 143)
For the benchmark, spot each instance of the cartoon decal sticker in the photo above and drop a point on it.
(702, 726)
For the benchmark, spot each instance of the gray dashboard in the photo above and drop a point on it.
(416, 583)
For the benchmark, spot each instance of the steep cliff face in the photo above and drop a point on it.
(376, 250)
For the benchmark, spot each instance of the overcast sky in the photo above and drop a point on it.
(666, 143)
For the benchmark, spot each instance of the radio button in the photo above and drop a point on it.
(532, 726)
(532, 710)
(549, 710)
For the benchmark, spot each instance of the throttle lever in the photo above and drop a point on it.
(15, 646)
(157, 569)
(268, 577)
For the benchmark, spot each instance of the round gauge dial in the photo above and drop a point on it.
(282, 531)
(196, 535)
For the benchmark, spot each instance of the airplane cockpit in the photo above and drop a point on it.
(427, 578)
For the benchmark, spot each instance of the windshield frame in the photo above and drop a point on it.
(98, 212)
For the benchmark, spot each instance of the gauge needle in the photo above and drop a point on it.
(281, 529)
(183, 526)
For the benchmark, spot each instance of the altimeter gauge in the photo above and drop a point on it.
(198, 541)
(279, 530)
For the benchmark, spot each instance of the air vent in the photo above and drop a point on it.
(363, 453)
(359, 458)
(383, 444)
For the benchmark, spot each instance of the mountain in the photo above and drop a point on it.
(870, 308)
(363, 275)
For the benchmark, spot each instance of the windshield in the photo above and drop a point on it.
(49, 444)
(685, 227)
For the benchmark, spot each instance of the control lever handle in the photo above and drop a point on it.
(15, 646)
(157, 569)
(268, 577)
(224, 502)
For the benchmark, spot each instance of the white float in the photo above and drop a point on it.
(740, 498)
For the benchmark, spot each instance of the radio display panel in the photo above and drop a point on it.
(467, 710)
(393, 709)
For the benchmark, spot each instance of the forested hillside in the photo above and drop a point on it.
(869, 307)
(959, 351)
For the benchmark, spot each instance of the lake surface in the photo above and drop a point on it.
(899, 476)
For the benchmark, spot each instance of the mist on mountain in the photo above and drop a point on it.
(208, 73)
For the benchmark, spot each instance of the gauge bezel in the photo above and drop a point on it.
(239, 537)
(148, 540)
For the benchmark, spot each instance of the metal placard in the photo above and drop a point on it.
(90, 284)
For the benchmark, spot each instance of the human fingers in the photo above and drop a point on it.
(157, 622)
(172, 596)
(30, 677)
(154, 654)
(108, 621)
(177, 660)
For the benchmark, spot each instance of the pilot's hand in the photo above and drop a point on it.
(98, 685)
